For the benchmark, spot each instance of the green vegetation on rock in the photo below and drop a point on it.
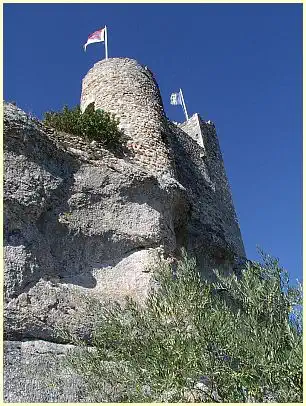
(190, 344)
(97, 125)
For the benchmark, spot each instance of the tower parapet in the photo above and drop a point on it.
(124, 87)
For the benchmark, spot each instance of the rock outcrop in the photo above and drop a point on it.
(83, 226)
(76, 226)
(80, 229)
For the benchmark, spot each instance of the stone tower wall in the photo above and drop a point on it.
(211, 231)
(124, 87)
(223, 195)
(204, 133)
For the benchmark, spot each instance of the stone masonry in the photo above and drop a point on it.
(211, 232)
(204, 132)
(124, 87)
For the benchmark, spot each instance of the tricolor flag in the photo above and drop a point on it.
(98, 36)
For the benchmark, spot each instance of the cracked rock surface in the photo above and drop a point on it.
(74, 229)
(26, 360)
(78, 232)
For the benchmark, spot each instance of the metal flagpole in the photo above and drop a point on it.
(184, 106)
(106, 49)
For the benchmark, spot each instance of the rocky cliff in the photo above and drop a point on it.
(83, 226)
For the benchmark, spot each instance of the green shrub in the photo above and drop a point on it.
(92, 125)
(188, 345)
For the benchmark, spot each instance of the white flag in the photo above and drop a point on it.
(176, 99)
(97, 36)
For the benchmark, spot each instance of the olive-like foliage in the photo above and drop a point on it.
(92, 124)
(190, 344)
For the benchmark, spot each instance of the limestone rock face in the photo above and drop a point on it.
(80, 229)
(75, 229)
(35, 372)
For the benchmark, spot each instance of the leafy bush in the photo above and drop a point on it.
(188, 345)
(93, 124)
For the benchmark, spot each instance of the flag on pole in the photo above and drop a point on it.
(97, 36)
(176, 99)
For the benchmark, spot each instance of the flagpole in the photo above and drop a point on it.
(106, 48)
(184, 106)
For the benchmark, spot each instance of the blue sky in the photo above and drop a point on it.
(239, 65)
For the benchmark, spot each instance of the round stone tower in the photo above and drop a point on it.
(124, 87)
